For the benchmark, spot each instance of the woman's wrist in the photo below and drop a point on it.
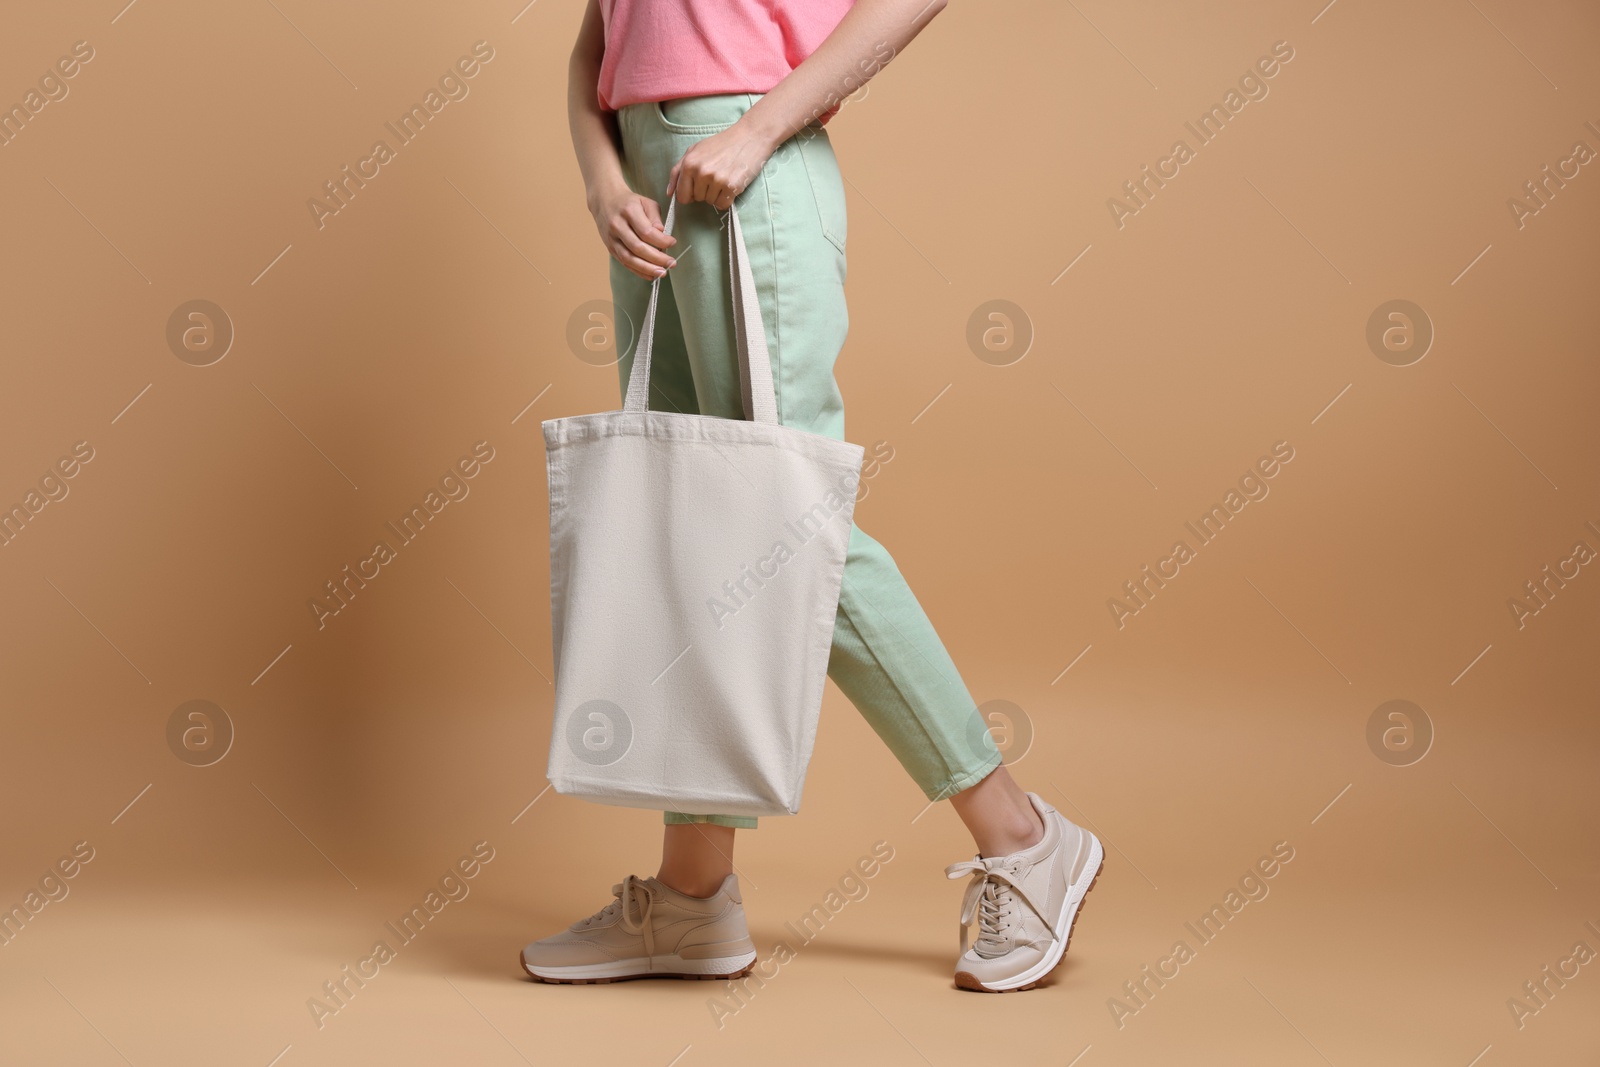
(763, 126)
(604, 189)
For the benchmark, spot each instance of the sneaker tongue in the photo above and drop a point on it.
(605, 913)
(991, 942)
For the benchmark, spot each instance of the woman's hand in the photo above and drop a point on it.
(630, 227)
(720, 167)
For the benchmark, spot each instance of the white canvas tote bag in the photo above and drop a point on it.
(695, 565)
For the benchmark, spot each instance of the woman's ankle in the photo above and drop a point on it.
(999, 815)
(696, 858)
(693, 884)
(1012, 836)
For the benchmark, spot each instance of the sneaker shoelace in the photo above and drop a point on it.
(991, 898)
(632, 907)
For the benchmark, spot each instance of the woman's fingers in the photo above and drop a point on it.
(705, 188)
(645, 218)
(712, 170)
(716, 193)
(648, 271)
(635, 245)
(631, 230)
(718, 168)
(689, 178)
(638, 241)
(694, 176)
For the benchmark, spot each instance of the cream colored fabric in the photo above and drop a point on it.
(695, 566)
(1023, 904)
(648, 928)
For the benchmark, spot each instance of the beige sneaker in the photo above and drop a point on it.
(1025, 904)
(649, 931)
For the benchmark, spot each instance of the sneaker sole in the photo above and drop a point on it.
(725, 967)
(1041, 970)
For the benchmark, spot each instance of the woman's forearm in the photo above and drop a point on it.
(594, 132)
(629, 224)
(871, 34)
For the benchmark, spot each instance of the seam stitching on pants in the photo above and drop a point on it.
(952, 786)
(893, 682)
(775, 347)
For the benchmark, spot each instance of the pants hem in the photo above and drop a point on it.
(966, 781)
(738, 822)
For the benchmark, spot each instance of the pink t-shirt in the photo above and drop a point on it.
(666, 49)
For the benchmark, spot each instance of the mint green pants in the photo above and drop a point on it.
(886, 656)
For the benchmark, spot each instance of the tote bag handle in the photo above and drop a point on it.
(749, 333)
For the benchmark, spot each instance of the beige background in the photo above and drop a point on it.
(1230, 714)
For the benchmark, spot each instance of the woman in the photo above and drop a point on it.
(716, 100)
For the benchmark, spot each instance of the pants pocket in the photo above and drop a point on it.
(827, 183)
(702, 115)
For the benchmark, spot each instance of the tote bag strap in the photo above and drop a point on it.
(749, 333)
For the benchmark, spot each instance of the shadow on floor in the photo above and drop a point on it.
(489, 947)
